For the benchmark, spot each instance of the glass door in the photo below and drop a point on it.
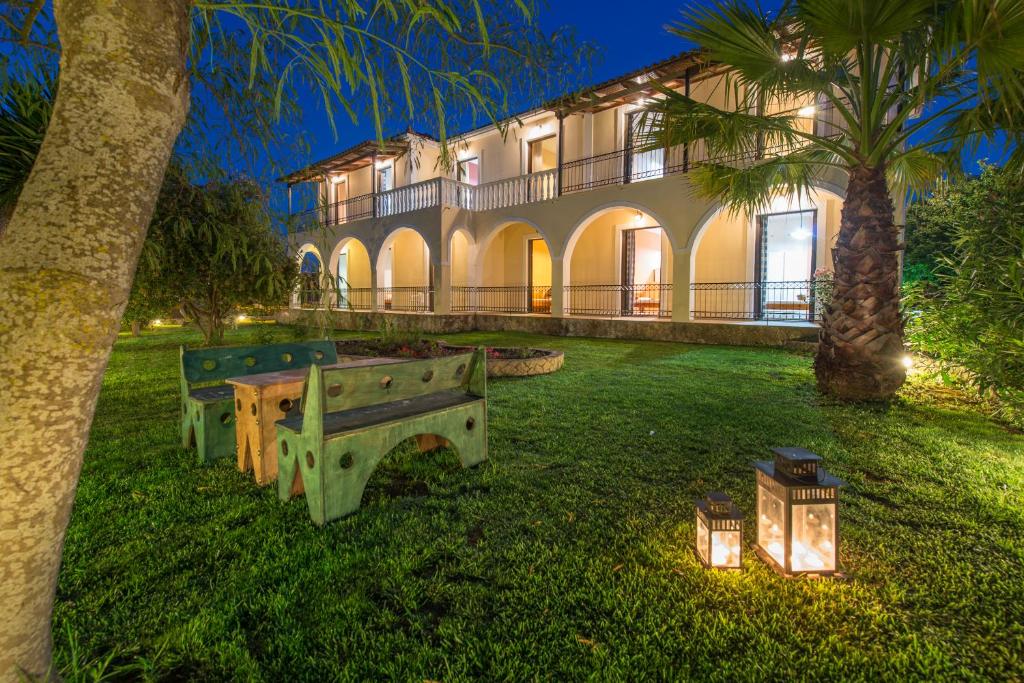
(642, 165)
(785, 265)
(538, 290)
(343, 279)
(641, 271)
(336, 211)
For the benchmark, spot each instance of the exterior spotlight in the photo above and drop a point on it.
(907, 361)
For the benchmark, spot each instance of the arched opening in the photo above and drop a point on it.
(353, 284)
(309, 290)
(405, 274)
(619, 263)
(415, 468)
(774, 265)
(515, 271)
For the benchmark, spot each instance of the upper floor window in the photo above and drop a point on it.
(542, 154)
(469, 171)
(386, 178)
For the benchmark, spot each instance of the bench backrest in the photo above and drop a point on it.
(335, 389)
(202, 366)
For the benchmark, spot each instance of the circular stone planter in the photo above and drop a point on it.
(501, 361)
(516, 363)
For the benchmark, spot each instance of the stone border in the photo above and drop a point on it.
(730, 334)
(551, 361)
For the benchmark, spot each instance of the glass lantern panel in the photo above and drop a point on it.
(814, 538)
(702, 539)
(770, 521)
(725, 548)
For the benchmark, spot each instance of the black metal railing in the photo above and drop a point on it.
(354, 298)
(309, 297)
(508, 299)
(345, 211)
(415, 299)
(769, 301)
(645, 301)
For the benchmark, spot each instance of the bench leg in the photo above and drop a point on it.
(214, 428)
(335, 476)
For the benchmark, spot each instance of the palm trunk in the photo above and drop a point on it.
(66, 266)
(861, 342)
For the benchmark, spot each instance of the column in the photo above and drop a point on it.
(681, 279)
(374, 303)
(443, 288)
(557, 288)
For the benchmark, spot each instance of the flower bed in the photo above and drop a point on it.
(501, 361)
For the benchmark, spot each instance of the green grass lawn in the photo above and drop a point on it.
(569, 554)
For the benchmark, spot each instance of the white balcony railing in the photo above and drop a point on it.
(524, 189)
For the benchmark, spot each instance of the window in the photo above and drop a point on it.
(542, 154)
(469, 171)
(386, 178)
(642, 164)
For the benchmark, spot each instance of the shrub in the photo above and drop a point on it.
(971, 317)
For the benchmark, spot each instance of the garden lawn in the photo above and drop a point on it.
(569, 554)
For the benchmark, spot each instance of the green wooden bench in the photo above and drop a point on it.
(207, 404)
(352, 417)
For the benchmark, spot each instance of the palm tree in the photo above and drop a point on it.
(25, 106)
(888, 94)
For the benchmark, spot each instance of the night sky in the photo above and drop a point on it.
(626, 40)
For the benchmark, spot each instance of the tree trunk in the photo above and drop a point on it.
(860, 347)
(66, 266)
(5, 218)
(136, 328)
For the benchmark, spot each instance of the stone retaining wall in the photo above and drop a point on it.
(653, 330)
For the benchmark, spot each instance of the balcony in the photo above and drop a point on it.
(614, 168)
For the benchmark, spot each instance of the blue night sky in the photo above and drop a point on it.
(625, 40)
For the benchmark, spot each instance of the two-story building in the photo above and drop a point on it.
(562, 217)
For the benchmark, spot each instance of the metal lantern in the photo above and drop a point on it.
(797, 514)
(719, 532)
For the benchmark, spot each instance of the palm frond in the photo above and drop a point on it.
(839, 28)
(915, 170)
(25, 107)
(751, 188)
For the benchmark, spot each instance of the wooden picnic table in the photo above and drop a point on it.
(263, 399)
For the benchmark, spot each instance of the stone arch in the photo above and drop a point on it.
(602, 278)
(724, 260)
(603, 209)
(405, 271)
(393, 233)
(483, 252)
(353, 289)
(497, 229)
(309, 287)
(820, 190)
(308, 248)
